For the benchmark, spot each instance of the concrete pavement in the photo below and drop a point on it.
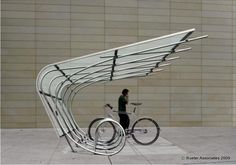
(189, 145)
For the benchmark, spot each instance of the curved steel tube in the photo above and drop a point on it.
(57, 87)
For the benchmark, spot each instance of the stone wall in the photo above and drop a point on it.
(196, 90)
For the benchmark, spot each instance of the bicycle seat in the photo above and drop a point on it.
(108, 105)
(136, 104)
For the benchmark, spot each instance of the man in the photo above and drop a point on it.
(123, 100)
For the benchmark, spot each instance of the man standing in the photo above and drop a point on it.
(123, 100)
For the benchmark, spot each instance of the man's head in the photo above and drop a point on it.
(125, 92)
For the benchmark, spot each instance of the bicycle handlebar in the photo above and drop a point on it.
(124, 112)
(111, 108)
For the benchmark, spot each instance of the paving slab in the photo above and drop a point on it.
(198, 145)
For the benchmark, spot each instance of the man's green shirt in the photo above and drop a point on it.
(122, 103)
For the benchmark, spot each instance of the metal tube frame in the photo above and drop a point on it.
(60, 92)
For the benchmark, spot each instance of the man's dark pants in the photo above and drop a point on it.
(124, 120)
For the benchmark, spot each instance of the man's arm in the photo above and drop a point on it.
(126, 99)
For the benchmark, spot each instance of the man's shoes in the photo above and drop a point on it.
(128, 133)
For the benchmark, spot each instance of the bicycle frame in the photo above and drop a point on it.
(108, 110)
(144, 130)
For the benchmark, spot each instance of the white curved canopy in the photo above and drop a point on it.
(58, 83)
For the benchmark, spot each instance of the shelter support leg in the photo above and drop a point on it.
(72, 149)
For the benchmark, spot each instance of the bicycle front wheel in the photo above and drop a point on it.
(145, 131)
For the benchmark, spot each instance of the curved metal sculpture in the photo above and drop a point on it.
(58, 83)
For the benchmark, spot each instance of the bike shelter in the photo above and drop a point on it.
(58, 83)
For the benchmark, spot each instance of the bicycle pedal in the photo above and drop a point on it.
(128, 131)
(128, 136)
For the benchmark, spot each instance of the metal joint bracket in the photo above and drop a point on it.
(113, 64)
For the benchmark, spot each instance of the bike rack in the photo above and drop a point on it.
(58, 83)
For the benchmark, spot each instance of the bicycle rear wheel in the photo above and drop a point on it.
(145, 131)
(107, 130)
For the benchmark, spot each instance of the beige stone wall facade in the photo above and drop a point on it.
(234, 63)
(197, 90)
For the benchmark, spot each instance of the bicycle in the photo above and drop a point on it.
(144, 131)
